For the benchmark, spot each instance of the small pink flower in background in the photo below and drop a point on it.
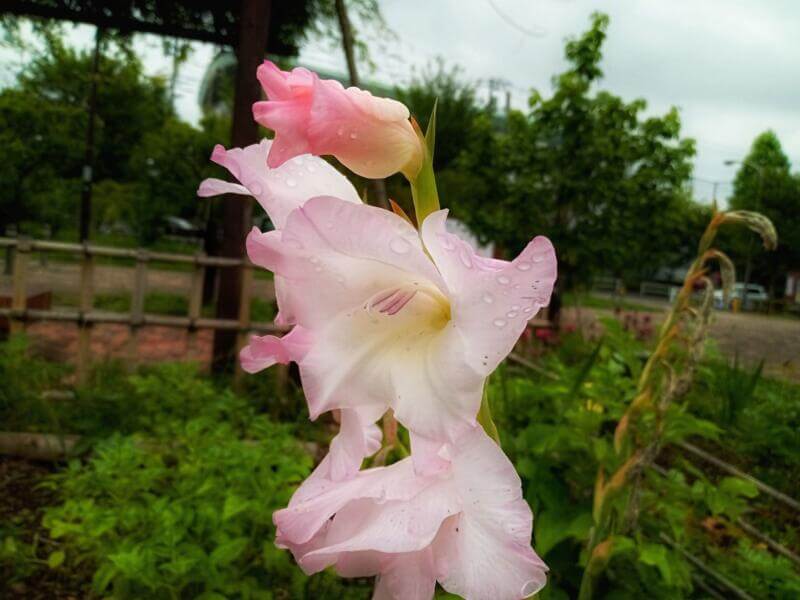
(371, 136)
(389, 318)
(466, 526)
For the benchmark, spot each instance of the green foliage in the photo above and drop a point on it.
(558, 430)
(585, 168)
(765, 184)
(24, 378)
(183, 507)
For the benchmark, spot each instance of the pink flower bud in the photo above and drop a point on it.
(371, 136)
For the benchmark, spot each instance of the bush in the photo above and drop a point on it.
(183, 508)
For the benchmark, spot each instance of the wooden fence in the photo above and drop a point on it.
(19, 313)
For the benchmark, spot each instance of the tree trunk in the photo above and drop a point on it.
(236, 209)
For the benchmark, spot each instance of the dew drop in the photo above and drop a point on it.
(488, 298)
(291, 182)
(313, 260)
(499, 322)
(539, 258)
(511, 314)
(310, 168)
(527, 310)
(255, 188)
(353, 135)
(503, 280)
(340, 131)
(515, 307)
(466, 259)
(524, 266)
(399, 246)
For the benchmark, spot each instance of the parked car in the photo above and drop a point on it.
(756, 296)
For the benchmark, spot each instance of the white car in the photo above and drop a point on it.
(756, 296)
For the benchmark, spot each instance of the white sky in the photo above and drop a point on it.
(730, 66)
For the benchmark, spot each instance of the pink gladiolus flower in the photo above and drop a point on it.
(386, 317)
(371, 136)
(279, 190)
(465, 525)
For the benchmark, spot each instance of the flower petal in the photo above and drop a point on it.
(265, 351)
(491, 300)
(301, 521)
(215, 187)
(486, 551)
(280, 190)
(410, 576)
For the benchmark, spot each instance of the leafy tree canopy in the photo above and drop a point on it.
(585, 168)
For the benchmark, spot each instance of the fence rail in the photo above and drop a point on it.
(19, 314)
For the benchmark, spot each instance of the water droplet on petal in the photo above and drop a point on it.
(499, 322)
(527, 310)
(466, 259)
(524, 266)
(399, 245)
(313, 260)
(310, 168)
(318, 269)
(539, 258)
(255, 188)
(503, 280)
(511, 314)
(488, 298)
(340, 131)
(515, 307)
(291, 182)
(353, 135)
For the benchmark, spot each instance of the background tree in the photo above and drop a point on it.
(764, 183)
(584, 168)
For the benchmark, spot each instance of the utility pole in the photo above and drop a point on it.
(85, 220)
(236, 211)
(378, 185)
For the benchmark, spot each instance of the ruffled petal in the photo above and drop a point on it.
(215, 187)
(486, 551)
(408, 576)
(265, 351)
(491, 300)
(279, 190)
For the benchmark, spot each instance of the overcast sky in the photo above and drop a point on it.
(731, 67)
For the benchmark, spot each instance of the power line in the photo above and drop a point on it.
(534, 33)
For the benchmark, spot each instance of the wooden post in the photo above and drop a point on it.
(85, 306)
(195, 302)
(137, 306)
(244, 316)
(19, 296)
(254, 19)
